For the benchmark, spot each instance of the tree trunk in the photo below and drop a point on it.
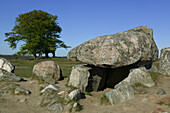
(35, 56)
(40, 55)
(46, 55)
(53, 52)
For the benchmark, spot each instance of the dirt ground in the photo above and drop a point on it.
(141, 103)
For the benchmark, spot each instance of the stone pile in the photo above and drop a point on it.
(115, 61)
(110, 59)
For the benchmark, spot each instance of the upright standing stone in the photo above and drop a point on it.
(164, 63)
(48, 71)
(87, 78)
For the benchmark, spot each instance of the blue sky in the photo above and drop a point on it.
(82, 20)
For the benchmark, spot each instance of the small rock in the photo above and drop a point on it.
(145, 99)
(62, 93)
(39, 103)
(3, 92)
(22, 100)
(161, 92)
(56, 108)
(75, 94)
(50, 87)
(127, 106)
(20, 90)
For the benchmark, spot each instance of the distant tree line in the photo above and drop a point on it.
(39, 32)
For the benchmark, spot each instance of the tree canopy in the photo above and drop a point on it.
(39, 31)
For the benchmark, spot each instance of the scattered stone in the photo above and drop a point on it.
(127, 106)
(22, 100)
(3, 92)
(62, 93)
(133, 46)
(48, 71)
(6, 65)
(164, 63)
(75, 94)
(138, 75)
(21, 90)
(161, 92)
(120, 94)
(56, 108)
(8, 76)
(50, 87)
(159, 110)
(87, 78)
(145, 99)
(39, 103)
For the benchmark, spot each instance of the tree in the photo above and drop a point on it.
(39, 32)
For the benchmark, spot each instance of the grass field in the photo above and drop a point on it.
(23, 67)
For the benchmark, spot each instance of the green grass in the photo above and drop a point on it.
(24, 67)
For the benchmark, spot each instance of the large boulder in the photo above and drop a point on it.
(164, 63)
(8, 76)
(48, 71)
(137, 76)
(6, 65)
(133, 46)
(87, 78)
(120, 94)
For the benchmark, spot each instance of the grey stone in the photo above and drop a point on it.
(153, 69)
(21, 90)
(145, 99)
(75, 94)
(133, 46)
(48, 71)
(87, 78)
(6, 65)
(8, 76)
(138, 75)
(164, 63)
(50, 87)
(56, 108)
(39, 103)
(161, 92)
(3, 92)
(120, 94)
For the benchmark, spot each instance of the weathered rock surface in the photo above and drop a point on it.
(120, 94)
(138, 75)
(153, 69)
(75, 94)
(6, 65)
(48, 71)
(133, 46)
(21, 90)
(164, 63)
(55, 108)
(8, 76)
(87, 78)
